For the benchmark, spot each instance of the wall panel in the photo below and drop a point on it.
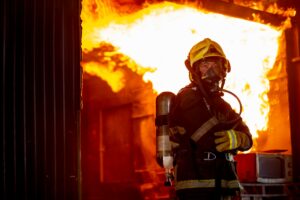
(293, 70)
(40, 94)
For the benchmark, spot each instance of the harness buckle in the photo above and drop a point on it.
(209, 156)
(229, 157)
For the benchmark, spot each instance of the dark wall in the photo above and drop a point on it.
(293, 70)
(40, 94)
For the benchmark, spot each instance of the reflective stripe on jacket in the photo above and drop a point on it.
(208, 183)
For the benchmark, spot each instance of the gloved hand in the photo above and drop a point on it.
(231, 139)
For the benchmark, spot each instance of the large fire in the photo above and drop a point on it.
(159, 37)
(153, 41)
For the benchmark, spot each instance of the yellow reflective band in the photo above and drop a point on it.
(232, 139)
(206, 183)
(235, 139)
(202, 130)
(231, 184)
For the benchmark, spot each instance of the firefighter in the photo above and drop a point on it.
(206, 130)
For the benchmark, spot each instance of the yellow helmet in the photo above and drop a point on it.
(207, 48)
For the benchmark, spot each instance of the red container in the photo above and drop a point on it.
(246, 167)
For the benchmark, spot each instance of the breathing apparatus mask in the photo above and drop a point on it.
(212, 72)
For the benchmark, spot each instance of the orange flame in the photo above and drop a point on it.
(154, 41)
(159, 37)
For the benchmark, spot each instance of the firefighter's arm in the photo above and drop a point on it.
(176, 133)
(232, 140)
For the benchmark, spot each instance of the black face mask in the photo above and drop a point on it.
(213, 79)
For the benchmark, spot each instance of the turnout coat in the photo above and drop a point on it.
(198, 165)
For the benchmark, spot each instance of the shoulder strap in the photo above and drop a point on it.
(202, 130)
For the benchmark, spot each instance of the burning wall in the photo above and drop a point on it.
(158, 37)
(130, 55)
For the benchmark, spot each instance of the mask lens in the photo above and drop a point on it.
(212, 69)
